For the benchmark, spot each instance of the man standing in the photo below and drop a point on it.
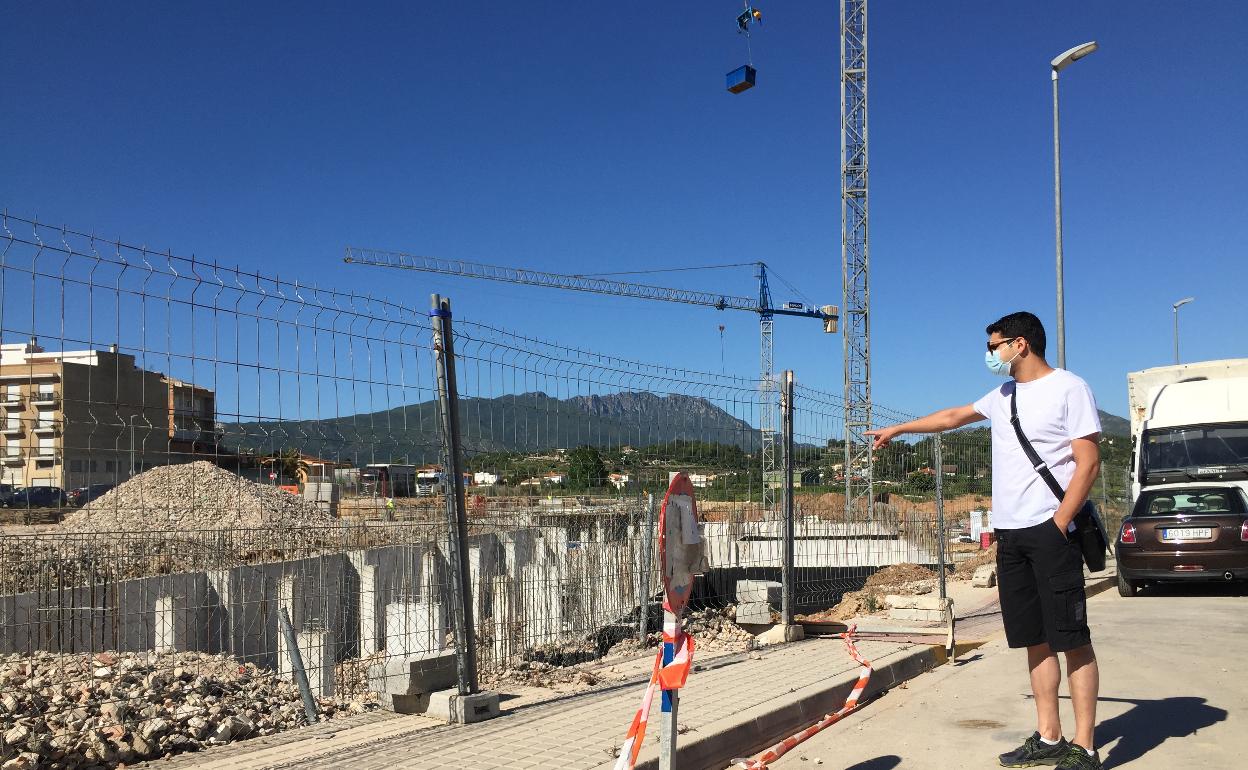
(1039, 570)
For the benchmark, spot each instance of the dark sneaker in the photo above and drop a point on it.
(1036, 752)
(1078, 759)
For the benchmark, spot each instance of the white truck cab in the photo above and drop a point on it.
(1189, 424)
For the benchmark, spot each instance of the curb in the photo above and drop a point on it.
(755, 729)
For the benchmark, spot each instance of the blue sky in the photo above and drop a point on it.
(595, 137)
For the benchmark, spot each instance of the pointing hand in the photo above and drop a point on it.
(882, 436)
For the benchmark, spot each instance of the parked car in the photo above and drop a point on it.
(83, 495)
(38, 497)
(6, 493)
(1184, 533)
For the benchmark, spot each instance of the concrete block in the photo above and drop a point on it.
(896, 602)
(780, 633)
(406, 683)
(317, 651)
(765, 591)
(926, 616)
(449, 705)
(414, 628)
(929, 603)
(757, 613)
(985, 577)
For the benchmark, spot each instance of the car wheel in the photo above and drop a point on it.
(1127, 587)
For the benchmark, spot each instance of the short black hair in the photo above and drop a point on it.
(1021, 324)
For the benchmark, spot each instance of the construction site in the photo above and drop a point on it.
(236, 504)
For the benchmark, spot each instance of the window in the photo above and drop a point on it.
(1186, 502)
(95, 466)
(47, 446)
(13, 448)
(75, 466)
(110, 466)
(46, 418)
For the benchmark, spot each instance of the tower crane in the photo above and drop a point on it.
(829, 314)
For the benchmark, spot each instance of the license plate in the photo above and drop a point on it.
(1187, 533)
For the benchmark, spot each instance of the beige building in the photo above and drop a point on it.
(73, 418)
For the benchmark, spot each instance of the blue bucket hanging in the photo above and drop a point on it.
(741, 79)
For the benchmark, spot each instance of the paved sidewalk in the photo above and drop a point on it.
(581, 731)
(733, 704)
(1172, 695)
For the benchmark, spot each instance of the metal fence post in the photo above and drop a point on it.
(295, 657)
(643, 580)
(456, 514)
(938, 443)
(786, 427)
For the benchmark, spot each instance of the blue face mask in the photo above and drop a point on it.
(996, 365)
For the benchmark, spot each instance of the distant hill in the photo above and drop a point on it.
(1113, 425)
(528, 422)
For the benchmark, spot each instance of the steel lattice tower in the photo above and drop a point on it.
(855, 257)
(767, 390)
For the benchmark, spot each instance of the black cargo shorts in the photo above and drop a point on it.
(1040, 581)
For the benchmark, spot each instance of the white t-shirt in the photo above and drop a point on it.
(1052, 411)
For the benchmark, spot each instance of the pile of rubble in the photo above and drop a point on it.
(715, 630)
(64, 712)
(898, 579)
(194, 496)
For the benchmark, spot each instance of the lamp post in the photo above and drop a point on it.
(1058, 64)
(1176, 307)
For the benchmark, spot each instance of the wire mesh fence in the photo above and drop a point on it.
(229, 502)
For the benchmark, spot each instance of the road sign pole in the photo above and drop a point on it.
(671, 698)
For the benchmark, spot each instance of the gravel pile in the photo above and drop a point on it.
(715, 630)
(64, 712)
(193, 496)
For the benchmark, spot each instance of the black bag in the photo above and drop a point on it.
(1089, 532)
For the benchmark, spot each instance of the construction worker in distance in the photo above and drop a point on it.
(389, 509)
(1039, 568)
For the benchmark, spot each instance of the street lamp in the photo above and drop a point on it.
(1060, 63)
(1176, 307)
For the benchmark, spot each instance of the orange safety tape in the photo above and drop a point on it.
(663, 677)
(851, 705)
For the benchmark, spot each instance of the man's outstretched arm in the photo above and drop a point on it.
(945, 419)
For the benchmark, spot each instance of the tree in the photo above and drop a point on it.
(586, 468)
(922, 480)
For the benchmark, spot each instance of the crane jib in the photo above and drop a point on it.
(468, 269)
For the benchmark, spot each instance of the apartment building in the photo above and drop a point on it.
(73, 418)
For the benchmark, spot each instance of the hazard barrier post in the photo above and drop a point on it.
(682, 556)
(786, 429)
(670, 703)
(453, 491)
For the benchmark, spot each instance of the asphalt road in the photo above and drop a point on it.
(1174, 693)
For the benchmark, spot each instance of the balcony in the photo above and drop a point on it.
(14, 458)
(47, 427)
(12, 428)
(45, 454)
(12, 400)
(45, 398)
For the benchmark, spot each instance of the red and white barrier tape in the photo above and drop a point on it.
(851, 705)
(664, 677)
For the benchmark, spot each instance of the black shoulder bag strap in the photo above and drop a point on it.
(1039, 465)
